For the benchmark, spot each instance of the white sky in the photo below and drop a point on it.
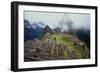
(53, 19)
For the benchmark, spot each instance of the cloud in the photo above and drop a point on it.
(52, 19)
(80, 20)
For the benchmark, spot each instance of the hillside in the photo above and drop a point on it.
(56, 46)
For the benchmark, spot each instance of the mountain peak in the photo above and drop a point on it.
(47, 29)
(38, 24)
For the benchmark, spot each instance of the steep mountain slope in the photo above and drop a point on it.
(84, 35)
(44, 43)
(32, 31)
(66, 46)
(28, 31)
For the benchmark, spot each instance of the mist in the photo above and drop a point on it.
(62, 20)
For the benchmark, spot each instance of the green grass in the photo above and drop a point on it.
(75, 49)
(65, 40)
(66, 54)
(60, 38)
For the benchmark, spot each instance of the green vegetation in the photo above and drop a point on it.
(60, 38)
(56, 46)
(66, 54)
(77, 50)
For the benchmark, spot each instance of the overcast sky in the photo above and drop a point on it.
(53, 19)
